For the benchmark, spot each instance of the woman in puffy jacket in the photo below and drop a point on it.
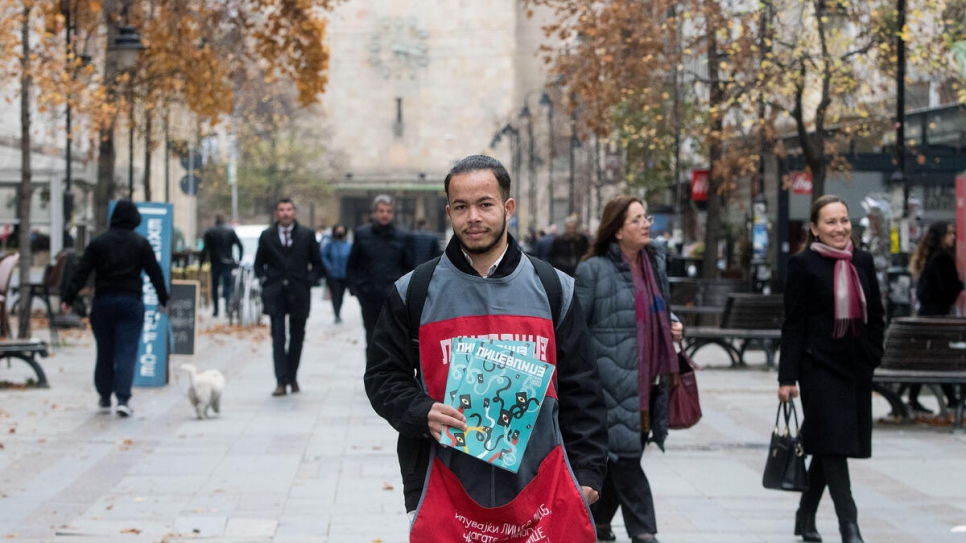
(622, 286)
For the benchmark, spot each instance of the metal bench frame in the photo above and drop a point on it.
(27, 351)
(883, 377)
(766, 339)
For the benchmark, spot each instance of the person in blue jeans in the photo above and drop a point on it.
(117, 258)
(335, 255)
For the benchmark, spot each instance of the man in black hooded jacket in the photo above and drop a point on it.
(117, 313)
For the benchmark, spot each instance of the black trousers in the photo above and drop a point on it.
(337, 290)
(287, 360)
(370, 314)
(833, 472)
(626, 486)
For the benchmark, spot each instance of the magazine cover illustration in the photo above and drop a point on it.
(500, 388)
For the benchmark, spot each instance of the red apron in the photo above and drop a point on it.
(550, 509)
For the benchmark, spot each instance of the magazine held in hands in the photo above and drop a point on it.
(499, 386)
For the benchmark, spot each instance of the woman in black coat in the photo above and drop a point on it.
(831, 344)
(933, 267)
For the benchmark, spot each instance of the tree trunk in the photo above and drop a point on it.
(147, 155)
(104, 191)
(26, 190)
(709, 267)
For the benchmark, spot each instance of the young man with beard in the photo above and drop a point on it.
(484, 286)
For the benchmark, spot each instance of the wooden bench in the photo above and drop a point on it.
(927, 350)
(27, 350)
(749, 319)
(701, 301)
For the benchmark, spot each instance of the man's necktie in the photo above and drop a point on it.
(288, 238)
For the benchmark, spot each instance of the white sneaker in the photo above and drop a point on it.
(124, 411)
(104, 405)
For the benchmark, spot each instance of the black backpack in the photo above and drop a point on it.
(419, 287)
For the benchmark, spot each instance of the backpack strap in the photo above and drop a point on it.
(416, 296)
(551, 284)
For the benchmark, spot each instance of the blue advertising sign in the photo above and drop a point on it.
(759, 241)
(157, 221)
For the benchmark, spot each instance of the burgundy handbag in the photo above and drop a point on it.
(683, 406)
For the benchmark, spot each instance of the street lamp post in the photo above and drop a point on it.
(128, 46)
(546, 101)
(574, 145)
(513, 134)
(60, 229)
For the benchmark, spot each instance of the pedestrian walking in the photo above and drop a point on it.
(378, 258)
(288, 264)
(567, 250)
(335, 256)
(623, 287)
(423, 244)
(484, 286)
(219, 241)
(933, 267)
(117, 258)
(831, 344)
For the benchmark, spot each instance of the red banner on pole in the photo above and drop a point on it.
(699, 185)
(801, 183)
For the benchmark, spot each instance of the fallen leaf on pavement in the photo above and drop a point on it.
(387, 486)
(134, 531)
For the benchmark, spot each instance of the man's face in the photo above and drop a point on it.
(383, 213)
(285, 214)
(478, 212)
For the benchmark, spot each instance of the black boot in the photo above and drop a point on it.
(805, 527)
(850, 532)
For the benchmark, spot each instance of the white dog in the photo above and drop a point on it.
(205, 389)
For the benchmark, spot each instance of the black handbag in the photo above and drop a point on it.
(785, 466)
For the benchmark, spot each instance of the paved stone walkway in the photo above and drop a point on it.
(320, 466)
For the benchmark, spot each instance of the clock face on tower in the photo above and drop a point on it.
(398, 48)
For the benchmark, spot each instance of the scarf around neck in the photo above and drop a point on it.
(850, 307)
(655, 348)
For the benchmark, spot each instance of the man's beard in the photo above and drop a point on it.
(485, 249)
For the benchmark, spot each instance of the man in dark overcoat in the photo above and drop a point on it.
(288, 264)
(380, 255)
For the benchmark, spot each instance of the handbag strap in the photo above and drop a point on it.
(788, 408)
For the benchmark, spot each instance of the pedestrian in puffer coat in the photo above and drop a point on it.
(623, 285)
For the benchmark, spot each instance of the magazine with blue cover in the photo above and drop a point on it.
(500, 388)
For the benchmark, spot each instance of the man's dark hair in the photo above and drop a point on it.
(285, 200)
(476, 163)
(219, 219)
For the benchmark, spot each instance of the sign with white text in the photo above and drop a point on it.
(157, 221)
(801, 183)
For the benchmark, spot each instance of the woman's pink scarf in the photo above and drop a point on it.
(850, 308)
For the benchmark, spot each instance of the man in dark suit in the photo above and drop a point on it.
(288, 264)
(219, 240)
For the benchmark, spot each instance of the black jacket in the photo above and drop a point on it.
(288, 272)
(834, 374)
(219, 240)
(566, 252)
(392, 383)
(423, 247)
(378, 258)
(117, 257)
(939, 285)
